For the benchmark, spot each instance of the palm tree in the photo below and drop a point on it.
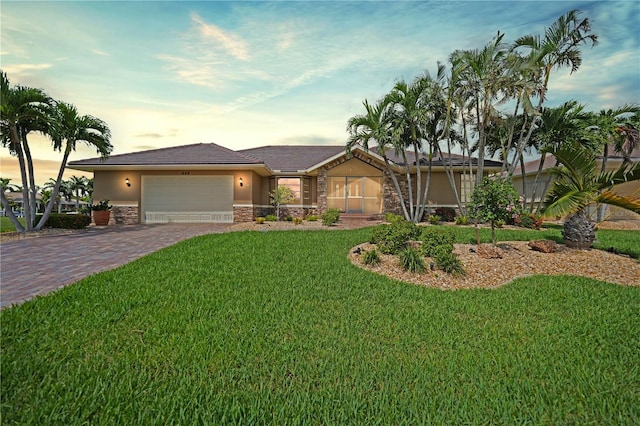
(559, 48)
(22, 110)
(418, 111)
(484, 74)
(67, 128)
(374, 128)
(555, 127)
(604, 132)
(78, 186)
(578, 184)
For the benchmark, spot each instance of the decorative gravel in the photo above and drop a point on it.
(518, 261)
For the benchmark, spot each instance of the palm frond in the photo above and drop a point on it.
(624, 201)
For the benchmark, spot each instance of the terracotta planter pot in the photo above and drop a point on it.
(101, 217)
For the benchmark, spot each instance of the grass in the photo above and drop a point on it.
(279, 328)
(6, 225)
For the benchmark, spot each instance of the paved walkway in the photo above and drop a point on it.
(34, 266)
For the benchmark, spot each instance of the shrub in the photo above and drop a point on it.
(448, 214)
(66, 221)
(312, 218)
(499, 223)
(371, 257)
(289, 218)
(393, 218)
(462, 220)
(271, 218)
(394, 237)
(449, 263)
(494, 200)
(260, 220)
(531, 221)
(411, 260)
(434, 240)
(433, 219)
(297, 221)
(330, 217)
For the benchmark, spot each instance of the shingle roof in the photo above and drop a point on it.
(452, 159)
(201, 153)
(291, 158)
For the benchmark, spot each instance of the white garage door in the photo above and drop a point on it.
(188, 199)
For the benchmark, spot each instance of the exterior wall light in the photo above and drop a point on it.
(240, 182)
(127, 182)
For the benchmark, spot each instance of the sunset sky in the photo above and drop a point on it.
(245, 74)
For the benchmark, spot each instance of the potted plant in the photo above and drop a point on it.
(101, 212)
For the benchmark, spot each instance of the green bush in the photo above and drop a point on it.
(66, 221)
(393, 218)
(462, 220)
(448, 214)
(371, 257)
(434, 219)
(531, 221)
(435, 240)
(289, 218)
(312, 218)
(411, 260)
(271, 218)
(330, 217)
(260, 220)
(394, 237)
(449, 263)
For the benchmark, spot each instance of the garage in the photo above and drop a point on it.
(187, 199)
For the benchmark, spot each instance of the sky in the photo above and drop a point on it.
(246, 74)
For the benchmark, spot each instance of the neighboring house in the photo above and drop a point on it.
(211, 183)
(16, 199)
(524, 182)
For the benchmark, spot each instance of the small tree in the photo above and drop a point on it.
(281, 195)
(493, 200)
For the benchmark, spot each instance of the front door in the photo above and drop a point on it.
(355, 194)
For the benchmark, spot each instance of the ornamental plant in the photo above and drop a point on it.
(495, 200)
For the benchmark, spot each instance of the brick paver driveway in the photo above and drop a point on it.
(34, 266)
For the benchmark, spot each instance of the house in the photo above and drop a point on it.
(211, 183)
(524, 182)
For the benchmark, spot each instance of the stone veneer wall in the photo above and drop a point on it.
(124, 215)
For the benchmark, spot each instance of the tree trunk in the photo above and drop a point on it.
(56, 188)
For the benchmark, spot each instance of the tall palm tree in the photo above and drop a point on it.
(559, 48)
(578, 184)
(484, 75)
(22, 110)
(419, 116)
(67, 128)
(374, 128)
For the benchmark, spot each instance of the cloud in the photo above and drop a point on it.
(231, 43)
(20, 70)
(99, 52)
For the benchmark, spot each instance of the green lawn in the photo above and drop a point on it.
(279, 328)
(6, 225)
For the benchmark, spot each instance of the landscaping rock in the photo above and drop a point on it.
(489, 251)
(544, 246)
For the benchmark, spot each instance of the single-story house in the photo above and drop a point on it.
(207, 182)
(524, 180)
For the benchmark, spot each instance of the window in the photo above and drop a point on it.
(293, 184)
